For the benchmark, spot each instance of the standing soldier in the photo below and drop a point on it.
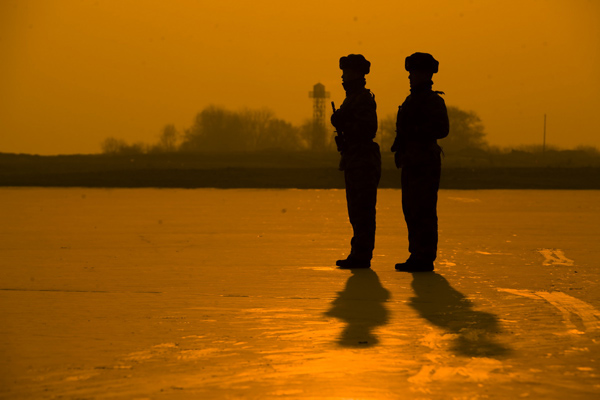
(422, 119)
(356, 124)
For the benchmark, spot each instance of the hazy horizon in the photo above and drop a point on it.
(77, 72)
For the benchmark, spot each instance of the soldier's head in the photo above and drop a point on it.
(420, 67)
(354, 66)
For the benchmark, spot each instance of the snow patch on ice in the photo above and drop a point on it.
(447, 263)
(569, 306)
(555, 257)
(464, 200)
(435, 340)
(81, 377)
(187, 355)
(476, 370)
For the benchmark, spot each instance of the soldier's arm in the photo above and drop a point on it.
(365, 115)
(435, 124)
(397, 145)
(340, 117)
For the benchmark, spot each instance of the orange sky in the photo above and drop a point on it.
(73, 72)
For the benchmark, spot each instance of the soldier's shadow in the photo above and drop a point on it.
(473, 331)
(362, 306)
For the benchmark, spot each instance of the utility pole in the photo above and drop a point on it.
(544, 142)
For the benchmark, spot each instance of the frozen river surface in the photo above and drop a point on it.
(233, 294)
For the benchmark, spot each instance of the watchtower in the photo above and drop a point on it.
(319, 106)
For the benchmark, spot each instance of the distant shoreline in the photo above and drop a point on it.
(306, 178)
(277, 171)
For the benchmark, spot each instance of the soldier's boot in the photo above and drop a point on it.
(415, 265)
(353, 263)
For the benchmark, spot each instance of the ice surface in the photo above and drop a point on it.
(233, 294)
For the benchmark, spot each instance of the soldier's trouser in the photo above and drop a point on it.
(361, 196)
(420, 186)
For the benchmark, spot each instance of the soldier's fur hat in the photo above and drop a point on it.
(421, 62)
(356, 62)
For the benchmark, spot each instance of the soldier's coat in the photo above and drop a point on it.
(422, 120)
(357, 119)
(361, 163)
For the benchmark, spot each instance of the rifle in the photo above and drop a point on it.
(340, 142)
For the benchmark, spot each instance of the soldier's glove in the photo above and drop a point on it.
(337, 119)
(340, 142)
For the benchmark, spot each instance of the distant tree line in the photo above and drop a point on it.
(221, 130)
(218, 130)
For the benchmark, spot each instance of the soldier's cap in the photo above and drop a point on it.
(356, 62)
(421, 62)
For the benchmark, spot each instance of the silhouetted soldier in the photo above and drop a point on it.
(422, 119)
(356, 124)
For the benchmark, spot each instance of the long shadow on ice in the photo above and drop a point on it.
(449, 309)
(361, 306)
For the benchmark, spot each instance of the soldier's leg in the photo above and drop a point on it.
(361, 195)
(428, 214)
(409, 181)
(419, 204)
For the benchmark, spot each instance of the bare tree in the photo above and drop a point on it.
(386, 133)
(168, 139)
(316, 137)
(466, 131)
(216, 129)
(112, 145)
